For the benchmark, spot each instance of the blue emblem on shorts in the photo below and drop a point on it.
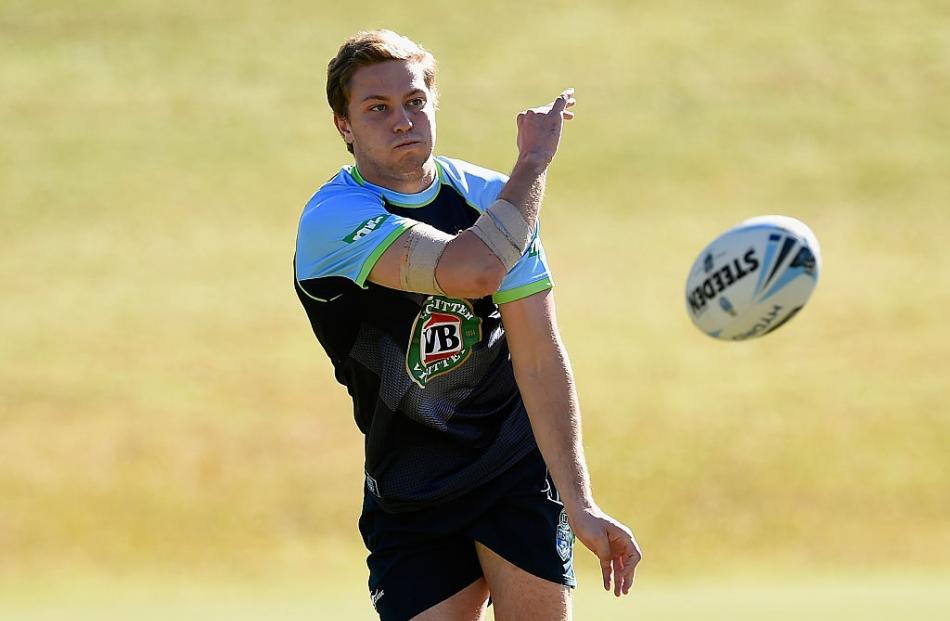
(564, 540)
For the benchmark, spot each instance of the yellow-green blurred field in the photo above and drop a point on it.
(172, 445)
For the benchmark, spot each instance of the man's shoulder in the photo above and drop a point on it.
(458, 169)
(342, 187)
(341, 197)
(479, 185)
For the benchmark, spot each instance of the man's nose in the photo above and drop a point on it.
(403, 122)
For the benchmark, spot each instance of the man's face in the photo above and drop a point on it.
(391, 123)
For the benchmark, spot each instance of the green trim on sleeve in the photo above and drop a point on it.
(503, 297)
(378, 252)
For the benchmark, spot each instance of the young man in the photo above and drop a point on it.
(426, 283)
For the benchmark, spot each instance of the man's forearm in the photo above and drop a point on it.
(509, 224)
(525, 189)
(547, 388)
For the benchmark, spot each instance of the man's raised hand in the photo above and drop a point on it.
(539, 129)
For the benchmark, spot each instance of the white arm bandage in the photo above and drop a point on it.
(503, 229)
(425, 246)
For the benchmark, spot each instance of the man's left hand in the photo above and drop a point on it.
(612, 542)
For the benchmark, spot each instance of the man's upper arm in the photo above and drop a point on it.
(344, 234)
(467, 265)
(527, 309)
(531, 330)
(463, 270)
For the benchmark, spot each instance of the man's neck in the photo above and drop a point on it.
(410, 182)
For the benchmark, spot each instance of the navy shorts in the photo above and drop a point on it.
(420, 558)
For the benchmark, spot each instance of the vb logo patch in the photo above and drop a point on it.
(441, 339)
(564, 540)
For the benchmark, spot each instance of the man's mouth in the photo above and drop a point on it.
(406, 143)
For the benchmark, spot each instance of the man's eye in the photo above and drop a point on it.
(417, 102)
(378, 108)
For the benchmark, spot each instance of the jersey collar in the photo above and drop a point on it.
(419, 199)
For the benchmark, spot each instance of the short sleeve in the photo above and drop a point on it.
(528, 276)
(343, 233)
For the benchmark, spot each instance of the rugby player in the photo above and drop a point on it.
(425, 281)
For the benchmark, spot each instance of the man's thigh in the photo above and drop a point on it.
(520, 596)
(528, 527)
(467, 605)
(525, 547)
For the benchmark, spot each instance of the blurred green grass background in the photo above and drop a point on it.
(167, 416)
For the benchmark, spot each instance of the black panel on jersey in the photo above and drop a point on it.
(423, 445)
(449, 212)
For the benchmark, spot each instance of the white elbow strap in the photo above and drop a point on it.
(503, 229)
(417, 271)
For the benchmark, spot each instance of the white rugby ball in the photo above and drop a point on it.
(753, 278)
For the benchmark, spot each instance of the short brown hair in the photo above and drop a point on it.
(369, 48)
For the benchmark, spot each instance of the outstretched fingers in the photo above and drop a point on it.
(617, 563)
(564, 100)
(624, 557)
(629, 558)
(614, 546)
(629, 569)
(620, 572)
(605, 568)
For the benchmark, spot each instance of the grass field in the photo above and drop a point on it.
(166, 415)
(154, 598)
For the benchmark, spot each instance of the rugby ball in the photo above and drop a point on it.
(753, 278)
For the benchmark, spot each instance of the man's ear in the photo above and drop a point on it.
(343, 126)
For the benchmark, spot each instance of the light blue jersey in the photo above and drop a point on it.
(430, 376)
